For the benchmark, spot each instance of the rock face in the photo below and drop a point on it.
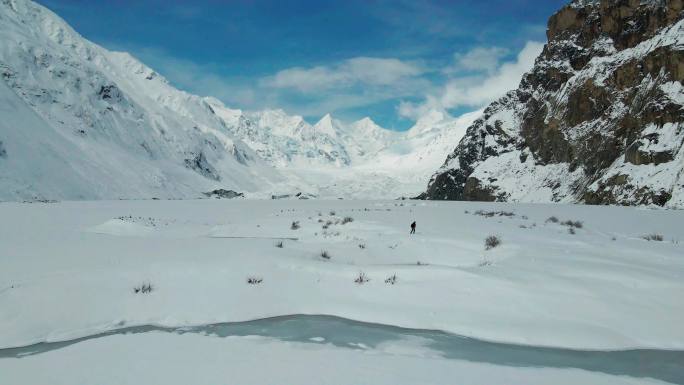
(598, 120)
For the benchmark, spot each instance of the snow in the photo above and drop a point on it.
(195, 359)
(602, 288)
(134, 140)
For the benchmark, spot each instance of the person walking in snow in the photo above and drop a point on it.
(413, 228)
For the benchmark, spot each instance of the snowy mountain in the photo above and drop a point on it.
(82, 122)
(599, 119)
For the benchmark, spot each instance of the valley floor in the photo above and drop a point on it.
(71, 270)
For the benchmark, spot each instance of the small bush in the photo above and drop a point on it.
(491, 242)
(362, 278)
(575, 224)
(346, 220)
(653, 237)
(552, 219)
(280, 244)
(325, 255)
(391, 279)
(489, 214)
(254, 280)
(332, 213)
(362, 246)
(485, 263)
(295, 225)
(143, 289)
(571, 230)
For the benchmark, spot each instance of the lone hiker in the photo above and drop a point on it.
(413, 228)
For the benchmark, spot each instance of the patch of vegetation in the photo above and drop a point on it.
(653, 237)
(346, 220)
(362, 278)
(280, 244)
(489, 214)
(575, 224)
(143, 289)
(392, 279)
(362, 246)
(491, 242)
(254, 280)
(295, 225)
(571, 230)
(325, 255)
(552, 219)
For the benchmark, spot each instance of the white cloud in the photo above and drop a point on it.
(479, 89)
(356, 71)
(481, 59)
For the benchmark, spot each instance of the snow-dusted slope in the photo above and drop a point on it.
(86, 123)
(80, 122)
(599, 119)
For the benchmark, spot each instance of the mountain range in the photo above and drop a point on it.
(82, 122)
(599, 119)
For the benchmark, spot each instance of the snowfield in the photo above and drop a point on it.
(70, 268)
(194, 359)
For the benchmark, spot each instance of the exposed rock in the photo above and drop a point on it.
(225, 194)
(599, 119)
(200, 164)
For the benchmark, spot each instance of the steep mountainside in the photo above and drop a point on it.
(82, 122)
(598, 120)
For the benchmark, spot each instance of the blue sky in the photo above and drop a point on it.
(390, 60)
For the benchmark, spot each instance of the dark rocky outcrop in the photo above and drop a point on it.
(599, 119)
(224, 194)
(200, 164)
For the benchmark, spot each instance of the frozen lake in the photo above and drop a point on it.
(664, 365)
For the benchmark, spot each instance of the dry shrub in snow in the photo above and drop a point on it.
(575, 224)
(325, 255)
(552, 219)
(279, 244)
(491, 242)
(295, 225)
(489, 214)
(254, 280)
(332, 213)
(653, 237)
(391, 279)
(571, 230)
(346, 220)
(362, 246)
(362, 278)
(143, 289)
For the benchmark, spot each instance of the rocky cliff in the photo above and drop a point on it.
(598, 120)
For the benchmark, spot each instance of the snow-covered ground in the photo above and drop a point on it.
(163, 358)
(602, 288)
(70, 270)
